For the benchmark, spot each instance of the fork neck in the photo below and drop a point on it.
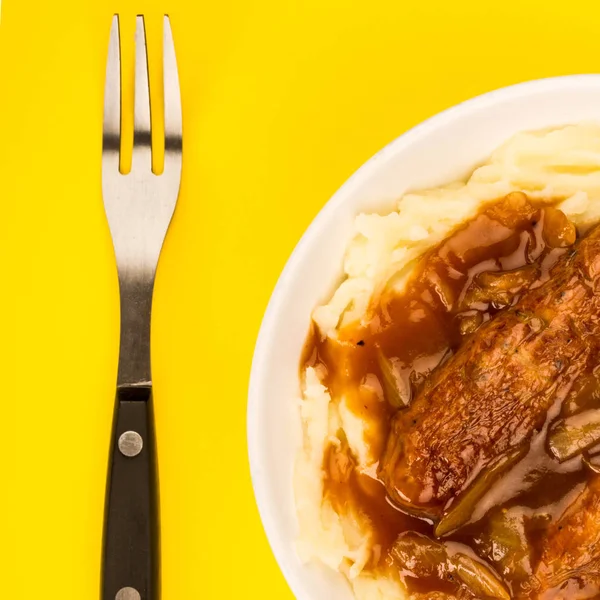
(134, 352)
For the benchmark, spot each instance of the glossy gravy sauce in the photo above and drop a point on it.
(481, 268)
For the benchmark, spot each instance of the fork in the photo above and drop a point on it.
(139, 207)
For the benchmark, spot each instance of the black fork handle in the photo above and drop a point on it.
(131, 531)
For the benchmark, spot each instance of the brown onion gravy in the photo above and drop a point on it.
(451, 291)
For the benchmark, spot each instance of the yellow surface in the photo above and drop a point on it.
(282, 101)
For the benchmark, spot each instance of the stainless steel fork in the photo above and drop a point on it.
(139, 207)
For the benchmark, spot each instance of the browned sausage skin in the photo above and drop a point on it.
(569, 566)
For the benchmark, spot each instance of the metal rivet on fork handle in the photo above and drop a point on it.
(130, 444)
(128, 593)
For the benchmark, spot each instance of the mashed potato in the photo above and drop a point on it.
(560, 163)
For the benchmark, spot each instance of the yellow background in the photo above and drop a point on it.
(282, 101)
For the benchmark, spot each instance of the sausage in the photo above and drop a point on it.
(569, 565)
(497, 389)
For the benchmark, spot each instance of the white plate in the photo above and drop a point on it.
(443, 148)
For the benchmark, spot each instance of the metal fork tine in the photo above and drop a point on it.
(111, 127)
(172, 95)
(142, 141)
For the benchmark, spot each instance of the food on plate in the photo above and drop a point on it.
(450, 387)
